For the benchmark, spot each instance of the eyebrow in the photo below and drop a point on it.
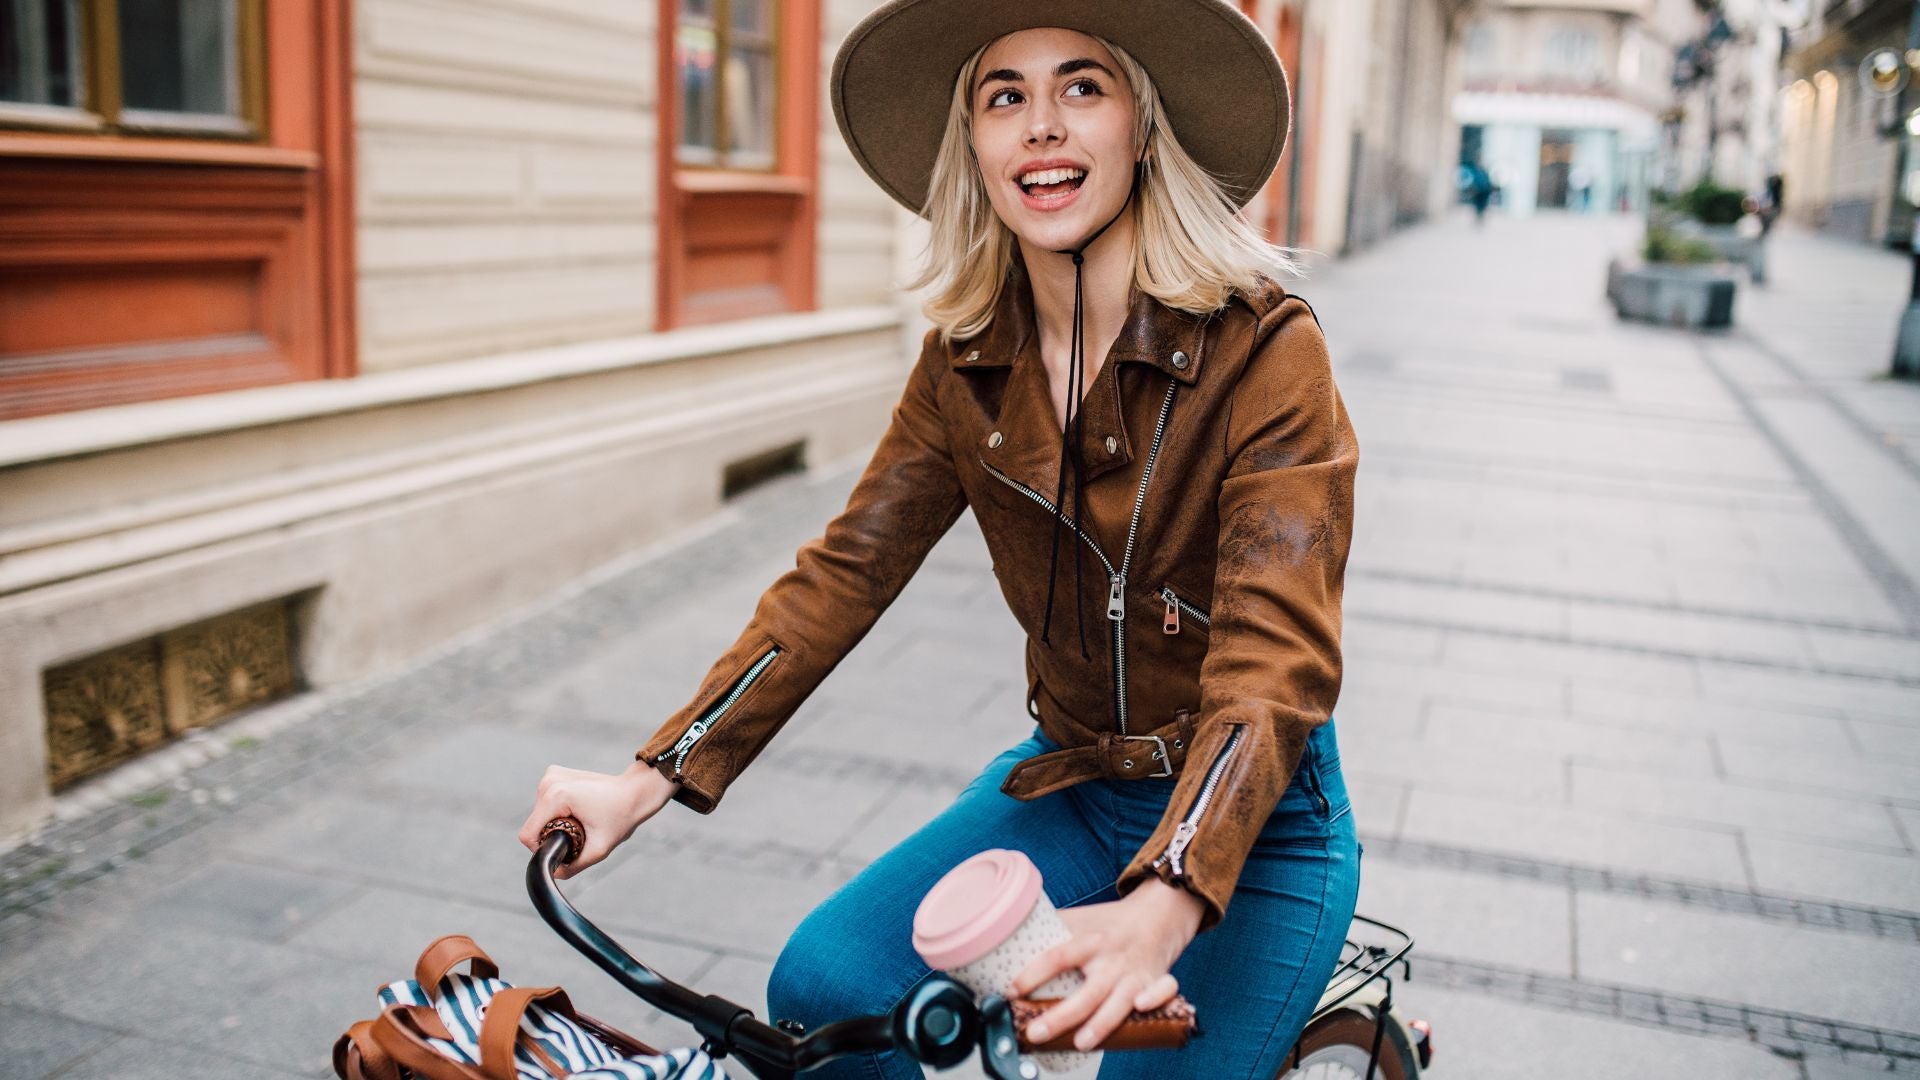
(1067, 67)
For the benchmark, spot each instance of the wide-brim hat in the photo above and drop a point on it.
(1222, 86)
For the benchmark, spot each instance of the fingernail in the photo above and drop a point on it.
(1083, 1040)
(1037, 1032)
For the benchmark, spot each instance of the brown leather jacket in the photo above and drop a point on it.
(1219, 468)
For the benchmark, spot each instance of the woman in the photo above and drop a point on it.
(1144, 424)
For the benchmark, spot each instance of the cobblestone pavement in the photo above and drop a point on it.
(1631, 720)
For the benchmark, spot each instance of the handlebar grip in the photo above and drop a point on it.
(570, 828)
(1168, 1027)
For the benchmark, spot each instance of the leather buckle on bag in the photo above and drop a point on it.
(1160, 755)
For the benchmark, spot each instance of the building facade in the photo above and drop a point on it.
(1851, 154)
(1563, 102)
(331, 331)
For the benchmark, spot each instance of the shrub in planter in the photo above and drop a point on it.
(1710, 204)
(1663, 245)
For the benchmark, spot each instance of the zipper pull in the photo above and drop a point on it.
(1182, 836)
(679, 751)
(1116, 598)
(1172, 625)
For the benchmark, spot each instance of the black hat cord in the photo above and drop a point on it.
(1071, 431)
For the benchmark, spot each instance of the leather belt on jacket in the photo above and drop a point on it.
(1156, 754)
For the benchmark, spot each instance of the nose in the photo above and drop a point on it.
(1044, 125)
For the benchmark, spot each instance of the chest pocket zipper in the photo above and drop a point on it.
(1177, 607)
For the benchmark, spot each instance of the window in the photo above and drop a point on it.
(186, 67)
(724, 54)
(739, 93)
(170, 223)
(1573, 54)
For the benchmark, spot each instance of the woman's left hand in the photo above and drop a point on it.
(1125, 949)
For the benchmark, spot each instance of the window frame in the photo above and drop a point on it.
(103, 112)
(723, 42)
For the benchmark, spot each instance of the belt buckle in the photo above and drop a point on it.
(1166, 763)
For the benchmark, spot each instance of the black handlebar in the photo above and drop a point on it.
(938, 1024)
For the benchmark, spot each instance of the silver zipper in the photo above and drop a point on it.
(1176, 607)
(700, 726)
(1116, 579)
(1183, 833)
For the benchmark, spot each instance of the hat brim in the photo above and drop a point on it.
(1222, 86)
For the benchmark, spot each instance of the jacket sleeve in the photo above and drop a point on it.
(814, 614)
(1273, 664)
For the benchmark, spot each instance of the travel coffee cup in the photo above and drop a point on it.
(984, 922)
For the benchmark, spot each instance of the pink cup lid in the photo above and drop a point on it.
(974, 908)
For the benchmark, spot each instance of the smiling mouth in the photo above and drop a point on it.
(1053, 183)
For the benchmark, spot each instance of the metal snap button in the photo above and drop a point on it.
(1178, 745)
(1180, 360)
(994, 440)
(972, 356)
(1113, 445)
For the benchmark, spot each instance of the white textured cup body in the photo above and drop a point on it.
(993, 973)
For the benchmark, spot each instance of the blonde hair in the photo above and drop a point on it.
(1192, 249)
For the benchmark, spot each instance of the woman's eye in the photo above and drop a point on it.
(994, 98)
(1088, 83)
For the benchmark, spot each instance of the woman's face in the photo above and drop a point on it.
(1046, 100)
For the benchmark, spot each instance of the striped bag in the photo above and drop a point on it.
(444, 1025)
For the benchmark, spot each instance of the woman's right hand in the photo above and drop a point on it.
(608, 806)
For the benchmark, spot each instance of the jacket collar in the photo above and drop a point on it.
(1152, 333)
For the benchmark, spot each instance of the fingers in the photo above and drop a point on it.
(1071, 953)
(1114, 1009)
(1076, 1008)
(1158, 993)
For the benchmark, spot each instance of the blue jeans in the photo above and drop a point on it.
(1254, 979)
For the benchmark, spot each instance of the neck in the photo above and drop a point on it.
(1105, 295)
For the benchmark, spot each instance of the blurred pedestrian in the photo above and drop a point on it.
(1479, 191)
(1774, 204)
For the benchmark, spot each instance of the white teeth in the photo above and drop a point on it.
(1050, 176)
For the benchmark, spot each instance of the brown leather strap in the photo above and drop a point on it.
(500, 1030)
(445, 954)
(1113, 756)
(1165, 1028)
(356, 1056)
(398, 1032)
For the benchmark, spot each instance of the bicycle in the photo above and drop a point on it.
(1355, 1032)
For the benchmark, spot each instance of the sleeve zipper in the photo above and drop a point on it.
(1183, 833)
(700, 726)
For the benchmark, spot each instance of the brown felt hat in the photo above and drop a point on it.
(1221, 84)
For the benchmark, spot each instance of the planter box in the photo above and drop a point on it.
(1672, 294)
(1730, 244)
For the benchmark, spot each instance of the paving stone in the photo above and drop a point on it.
(1603, 666)
(1772, 964)
(1873, 654)
(1489, 1039)
(1772, 687)
(1686, 632)
(1522, 774)
(1751, 808)
(263, 1004)
(1884, 740)
(1682, 753)
(36, 1044)
(1814, 728)
(1869, 878)
(1437, 602)
(1473, 916)
(1568, 834)
(736, 909)
(908, 807)
(1839, 771)
(382, 932)
(137, 1058)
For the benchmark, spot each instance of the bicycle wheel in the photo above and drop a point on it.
(1337, 1046)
